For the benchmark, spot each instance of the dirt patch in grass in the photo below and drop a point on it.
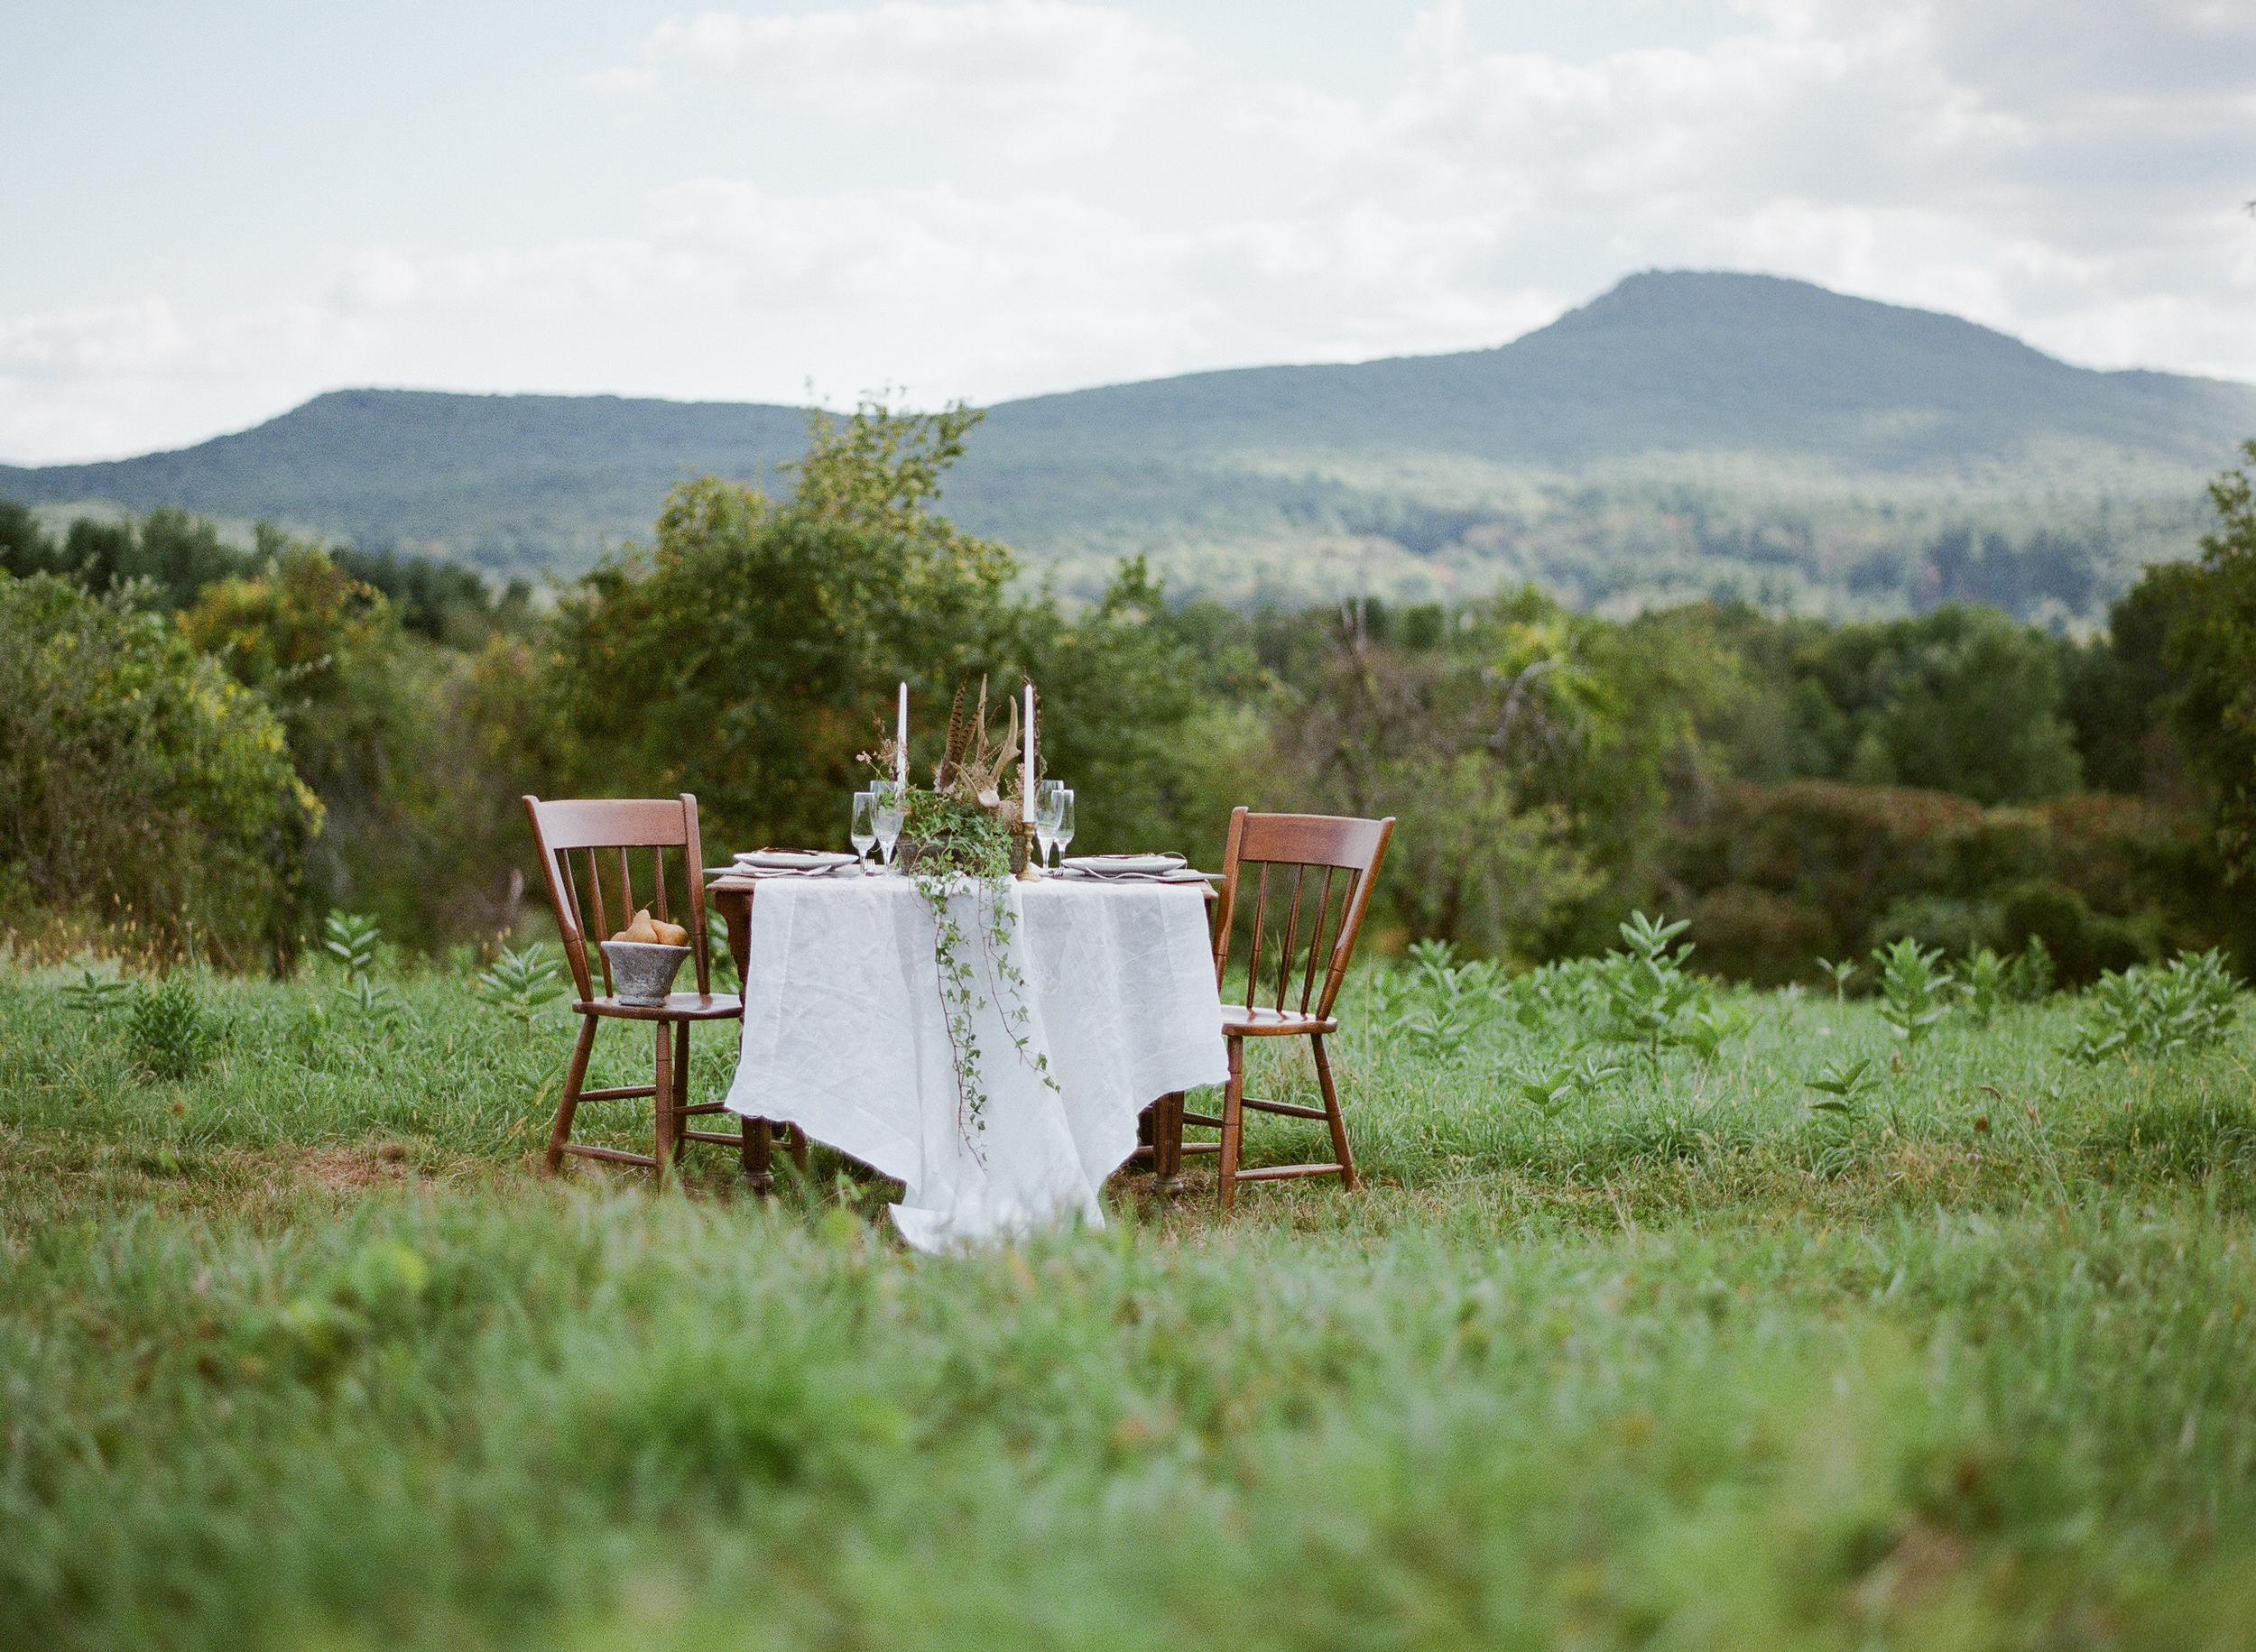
(351, 1170)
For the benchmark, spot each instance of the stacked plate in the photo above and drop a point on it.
(784, 863)
(1132, 869)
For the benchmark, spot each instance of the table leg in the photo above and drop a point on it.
(758, 1155)
(1167, 1144)
(755, 1151)
(734, 905)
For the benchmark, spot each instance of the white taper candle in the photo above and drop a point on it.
(900, 741)
(1030, 750)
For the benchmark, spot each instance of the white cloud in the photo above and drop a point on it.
(1904, 151)
(121, 378)
(2069, 171)
(1045, 70)
(105, 338)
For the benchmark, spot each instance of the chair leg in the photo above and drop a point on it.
(663, 1102)
(798, 1148)
(574, 1076)
(1340, 1152)
(681, 1088)
(1233, 1124)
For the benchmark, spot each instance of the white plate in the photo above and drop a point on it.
(1115, 865)
(792, 860)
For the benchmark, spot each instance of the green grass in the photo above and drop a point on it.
(298, 1352)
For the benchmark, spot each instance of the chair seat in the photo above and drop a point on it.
(677, 1007)
(1239, 1022)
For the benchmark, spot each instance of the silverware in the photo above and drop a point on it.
(1182, 876)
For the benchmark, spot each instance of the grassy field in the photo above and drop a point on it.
(297, 1351)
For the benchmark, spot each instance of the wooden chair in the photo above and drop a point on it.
(1298, 845)
(610, 829)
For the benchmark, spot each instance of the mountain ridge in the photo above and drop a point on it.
(1758, 395)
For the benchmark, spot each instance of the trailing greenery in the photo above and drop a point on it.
(961, 852)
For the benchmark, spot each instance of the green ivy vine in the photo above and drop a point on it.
(948, 841)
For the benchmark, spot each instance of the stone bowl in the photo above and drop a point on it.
(642, 973)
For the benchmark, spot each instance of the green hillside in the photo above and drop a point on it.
(1683, 434)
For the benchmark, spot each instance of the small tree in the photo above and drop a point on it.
(2211, 650)
(744, 654)
(137, 781)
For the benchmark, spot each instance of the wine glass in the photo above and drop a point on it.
(887, 814)
(1049, 796)
(1061, 833)
(862, 832)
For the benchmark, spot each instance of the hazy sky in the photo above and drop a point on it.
(209, 212)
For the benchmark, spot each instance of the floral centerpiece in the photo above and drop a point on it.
(963, 839)
(968, 823)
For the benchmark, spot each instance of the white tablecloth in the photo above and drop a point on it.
(844, 1035)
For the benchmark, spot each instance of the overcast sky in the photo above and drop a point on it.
(211, 213)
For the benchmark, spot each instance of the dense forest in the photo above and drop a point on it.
(204, 748)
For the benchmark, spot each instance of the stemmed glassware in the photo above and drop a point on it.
(1048, 800)
(887, 815)
(1061, 833)
(862, 832)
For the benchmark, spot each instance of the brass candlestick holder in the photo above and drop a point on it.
(1025, 848)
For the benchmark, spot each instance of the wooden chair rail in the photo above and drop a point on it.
(615, 1155)
(1279, 1172)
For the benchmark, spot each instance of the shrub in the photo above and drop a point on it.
(2188, 1005)
(522, 982)
(1432, 1007)
(1947, 924)
(2082, 944)
(167, 1030)
(138, 785)
(1759, 935)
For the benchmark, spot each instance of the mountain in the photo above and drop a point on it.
(1683, 433)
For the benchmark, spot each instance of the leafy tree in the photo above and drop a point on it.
(1472, 764)
(1127, 720)
(418, 750)
(748, 654)
(2212, 648)
(1962, 700)
(24, 547)
(316, 643)
(137, 782)
(176, 554)
(2115, 689)
(325, 651)
(441, 601)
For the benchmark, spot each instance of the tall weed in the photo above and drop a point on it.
(2189, 1004)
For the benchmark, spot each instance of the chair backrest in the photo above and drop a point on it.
(610, 828)
(1301, 843)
